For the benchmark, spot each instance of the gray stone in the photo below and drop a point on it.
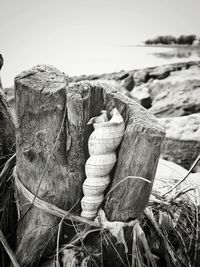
(161, 72)
(128, 83)
(177, 95)
(1, 61)
(182, 142)
(141, 93)
(141, 76)
(1, 64)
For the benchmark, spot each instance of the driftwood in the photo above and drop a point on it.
(137, 158)
(51, 143)
(41, 144)
(7, 205)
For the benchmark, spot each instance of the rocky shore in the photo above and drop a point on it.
(171, 93)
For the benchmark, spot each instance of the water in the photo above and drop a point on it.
(111, 59)
(90, 59)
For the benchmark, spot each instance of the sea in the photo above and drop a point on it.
(84, 59)
(116, 58)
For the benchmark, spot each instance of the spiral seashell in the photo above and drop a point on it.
(107, 135)
(102, 144)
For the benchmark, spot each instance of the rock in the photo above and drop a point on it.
(128, 82)
(182, 142)
(9, 93)
(142, 95)
(1, 61)
(177, 95)
(122, 75)
(141, 76)
(161, 72)
(1, 64)
(169, 173)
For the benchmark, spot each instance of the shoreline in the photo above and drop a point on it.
(163, 45)
(118, 75)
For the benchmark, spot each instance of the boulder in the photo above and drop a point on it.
(128, 82)
(177, 95)
(141, 93)
(141, 76)
(9, 93)
(1, 61)
(161, 72)
(1, 64)
(182, 142)
(169, 173)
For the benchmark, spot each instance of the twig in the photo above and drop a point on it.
(182, 192)
(7, 167)
(184, 249)
(58, 241)
(54, 146)
(115, 249)
(8, 250)
(78, 233)
(190, 170)
(77, 238)
(161, 237)
(128, 177)
(197, 233)
(58, 235)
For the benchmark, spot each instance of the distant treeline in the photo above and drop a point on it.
(169, 39)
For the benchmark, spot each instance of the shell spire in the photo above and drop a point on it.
(102, 144)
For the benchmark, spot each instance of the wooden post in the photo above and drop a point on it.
(49, 162)
(51, 155)
(138, 154)
(138, 158)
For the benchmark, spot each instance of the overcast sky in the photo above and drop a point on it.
(52, 31)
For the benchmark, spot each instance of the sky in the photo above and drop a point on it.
(70, 34)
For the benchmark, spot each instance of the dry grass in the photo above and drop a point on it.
(167, 233)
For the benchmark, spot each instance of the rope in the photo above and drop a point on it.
(45, 206)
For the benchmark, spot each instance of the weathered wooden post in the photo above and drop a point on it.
(139, 151)
(52, 135)
(137, 159)
(49, 163)
(138, 154)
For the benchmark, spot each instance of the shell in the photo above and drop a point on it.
(107, 135)
(100, 165)
(103, 140)
(102, 144)
(90, 205)
(92, 187)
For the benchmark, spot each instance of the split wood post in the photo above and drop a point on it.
(43, 102)
(138, 153)
(50, 163)
(138, 157)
